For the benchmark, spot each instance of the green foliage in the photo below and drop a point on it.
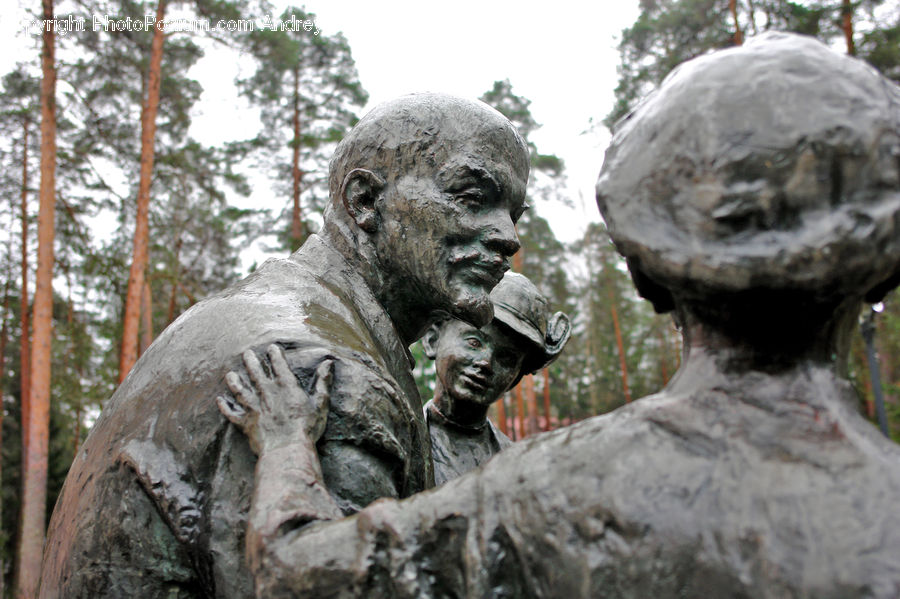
(881, 46)
(514, 107)
(649, 341)
(887, 348)
(424, 371)
(666, 33)
(308, 92)
(195, 235)
(547, 175)
(67, 353)
(669, 32)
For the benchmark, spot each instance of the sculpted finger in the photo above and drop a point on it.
(244, 395)
(322, 393)
(234, 383)
(318, 401)
(324, 375)
(280, 366)
(231, 410)
(254, 368)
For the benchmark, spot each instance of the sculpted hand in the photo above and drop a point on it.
(276, 410)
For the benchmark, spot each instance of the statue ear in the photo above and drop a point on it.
(359, 191)
(430, 341)
(558, 330)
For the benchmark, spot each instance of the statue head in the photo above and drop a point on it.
(431, 186)
(769, 172)
(477, 365)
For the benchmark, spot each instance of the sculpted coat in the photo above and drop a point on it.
(162, 511)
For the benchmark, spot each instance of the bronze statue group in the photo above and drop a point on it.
(272, 441)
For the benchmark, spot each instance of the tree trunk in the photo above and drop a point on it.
(663, 356)
(296, 173)
(752, 10)
(25, 327)
(519, 424)
(24, 314)
(72, 362)
(591, 340)
(847, 14)
(885, 358)
(4, 338)
(738, 34)
(501, 415)
(621, 346)
(34, 473)
(146, 318)
(176, 272)
(547, 425)
(531, 397)
(859, 352)
(76, 441)
(139, 259)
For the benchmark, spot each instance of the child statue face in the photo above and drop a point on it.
(475, 365)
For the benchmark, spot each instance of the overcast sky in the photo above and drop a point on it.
(561, 55)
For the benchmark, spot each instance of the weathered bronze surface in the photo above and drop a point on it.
(751, 474)
(476, 366)
(757, 195)
(425, 192)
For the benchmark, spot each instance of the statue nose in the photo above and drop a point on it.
(483, 363)
(502, 236)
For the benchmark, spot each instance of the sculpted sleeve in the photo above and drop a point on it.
(641, 502)
(491, 532)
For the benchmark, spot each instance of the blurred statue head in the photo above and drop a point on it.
(766, 171)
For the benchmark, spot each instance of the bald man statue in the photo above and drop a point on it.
(425, 194)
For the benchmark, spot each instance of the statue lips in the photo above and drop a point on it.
(474, 379)
(488, 272)
(481, 268)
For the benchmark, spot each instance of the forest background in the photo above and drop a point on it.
(117, 212)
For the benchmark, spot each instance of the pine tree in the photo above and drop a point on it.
(111, 86)
(198, 234)
(36, 426)
(307, 88)
(150, 106)
(880, 44)
(669, 32)
(622, 350)
(19, 102)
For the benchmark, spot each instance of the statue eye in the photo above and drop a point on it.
(471, 197)
(474, 342)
